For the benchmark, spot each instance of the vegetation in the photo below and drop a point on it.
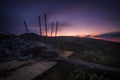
(70, 72)
(96, 51)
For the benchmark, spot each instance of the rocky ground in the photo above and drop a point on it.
(14, 47)
(28, 53)
(23, 57)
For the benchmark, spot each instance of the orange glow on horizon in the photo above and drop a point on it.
(70, 33)
(82, 34)
(87, 35)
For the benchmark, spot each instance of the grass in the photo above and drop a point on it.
(70, 72)
(97, 57)
(96, 51)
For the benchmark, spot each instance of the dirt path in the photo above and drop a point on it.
(27, 70)
(66, 54)
(30, 71)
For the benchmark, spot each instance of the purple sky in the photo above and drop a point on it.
(76, 17)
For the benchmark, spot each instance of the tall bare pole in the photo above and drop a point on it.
(40, 25)
(45, 23)
(52, 28)
(26, 27)
(56, 28)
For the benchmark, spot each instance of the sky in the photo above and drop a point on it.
(75, 17)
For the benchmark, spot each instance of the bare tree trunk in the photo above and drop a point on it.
(45, 24)
(26, 27)
(56, 29)
(52, 28)
(40, 25)
(89, 65)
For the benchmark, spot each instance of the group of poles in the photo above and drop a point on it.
(46, 27)
(40, 27)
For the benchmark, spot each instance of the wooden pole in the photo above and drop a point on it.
(45, 24)
(56, 28)
(40, 25)
(89, 65)
(26, 27)
(52, 28)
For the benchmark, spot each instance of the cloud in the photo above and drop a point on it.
(109, 35)
(61, 25)
(64, 24)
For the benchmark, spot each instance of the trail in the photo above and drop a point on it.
(28, 70)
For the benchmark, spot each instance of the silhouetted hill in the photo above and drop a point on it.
(93, 50)
(26, 46)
